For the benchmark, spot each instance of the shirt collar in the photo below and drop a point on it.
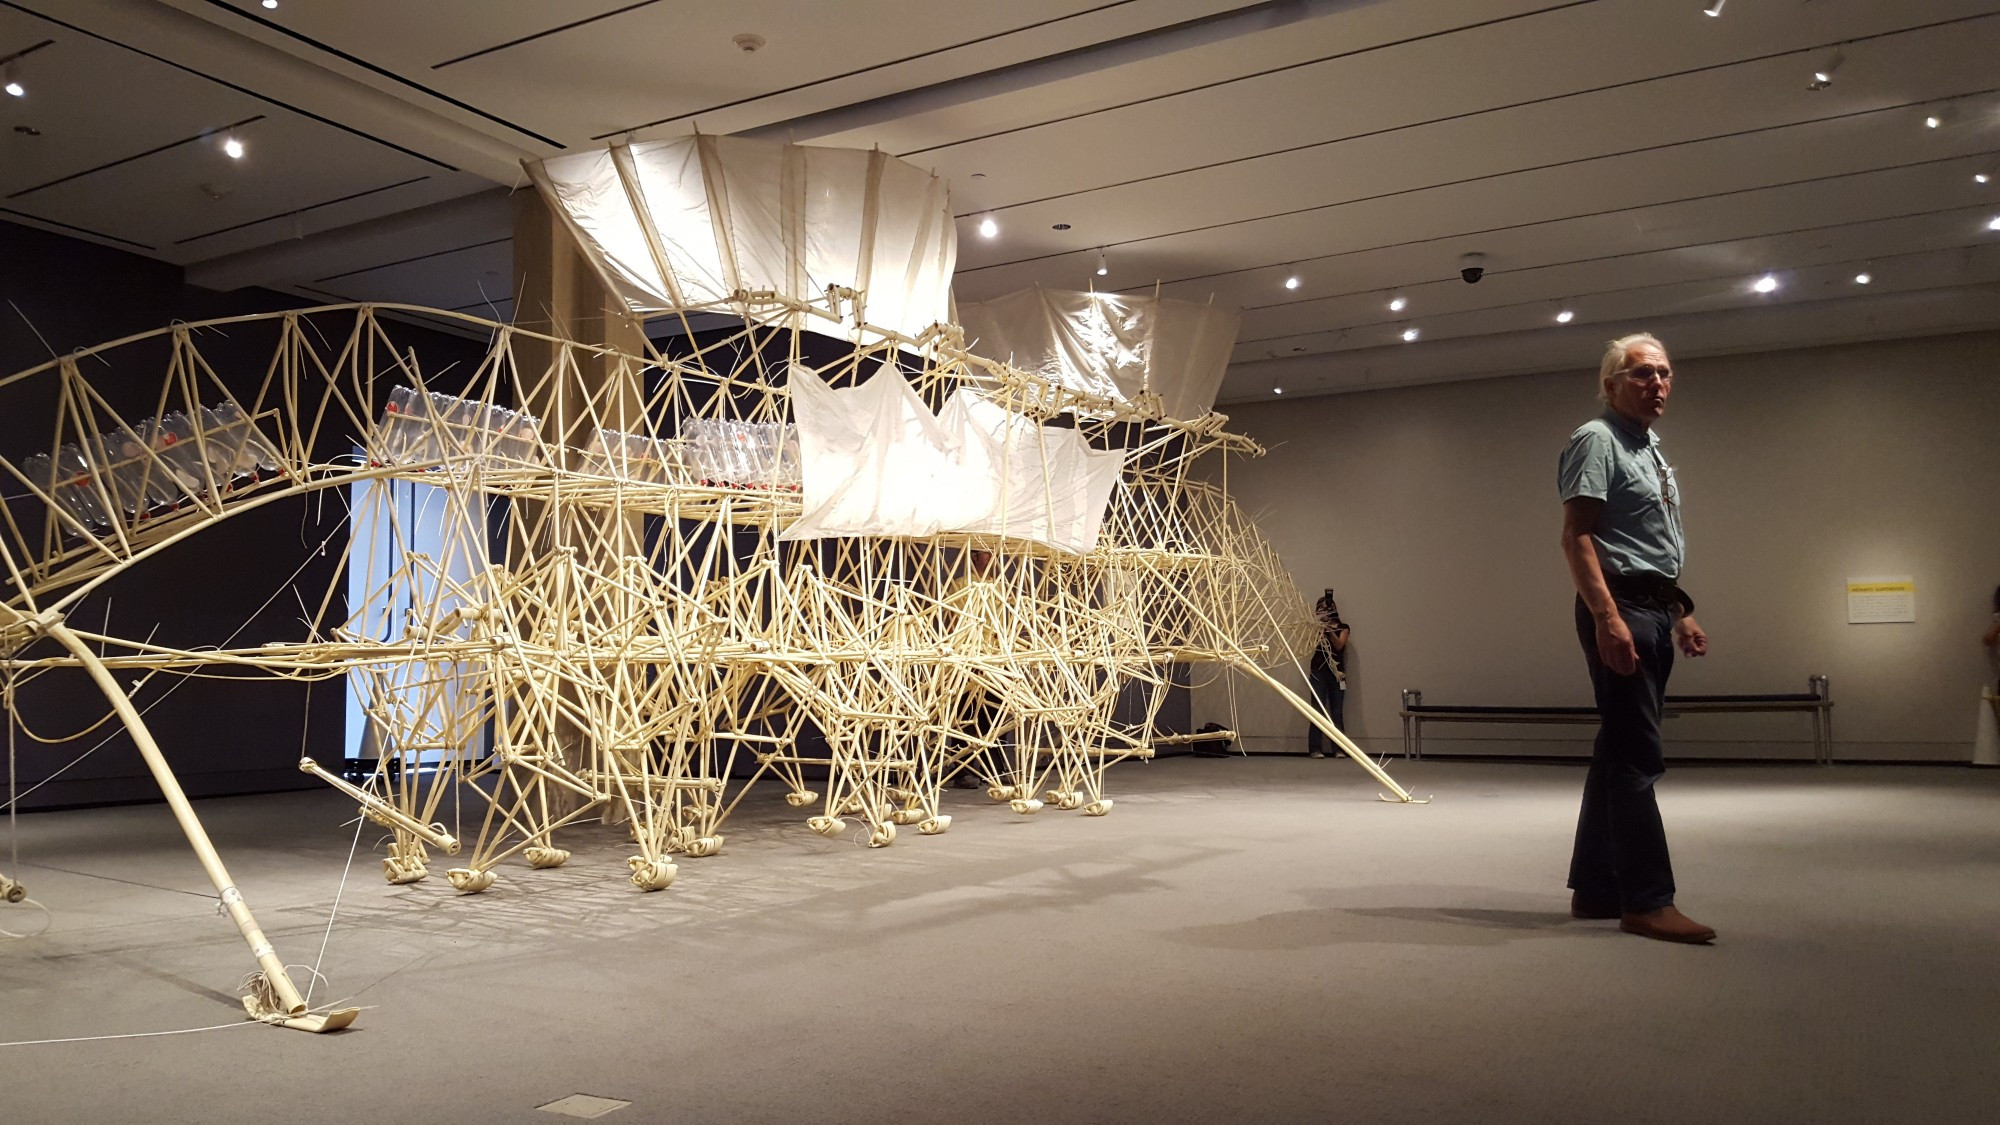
(1635, 432)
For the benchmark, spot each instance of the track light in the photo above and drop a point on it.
(1765, 284)
(232, 148)
(1292, 281)
(1980, 177)
(1565, 316)
(1823, 76)
(1103, 263)
(13, 86)
(1863, 278)
(1994, 224)
(988, 227)
(1409, 335)
(1277, 390)
(1398, 304)
(1933, 121)
(1714, 9)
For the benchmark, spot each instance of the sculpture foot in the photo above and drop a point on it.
(259, 1008)
(397, 870)
(1064, 798)
(1026, 806)
(934, 825)
(704, 846)
(827, 825)
(801, 798)
(651, 874)
(542, 858)
(909, 816)
(1097, 808)
(466, 881)
(1001, 792)
(883, 836)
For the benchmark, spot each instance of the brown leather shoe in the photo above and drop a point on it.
(1581, 907)
(1667, 924)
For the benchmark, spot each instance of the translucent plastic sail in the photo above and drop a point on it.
(707, 223)
(1124, 348)
(877, 462)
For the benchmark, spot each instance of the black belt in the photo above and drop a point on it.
(1661, 592)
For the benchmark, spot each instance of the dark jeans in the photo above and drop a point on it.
(1621, 846)
(1332, 703)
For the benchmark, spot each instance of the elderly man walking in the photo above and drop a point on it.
(1622, 539)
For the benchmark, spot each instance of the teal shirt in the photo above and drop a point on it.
(1639, 531)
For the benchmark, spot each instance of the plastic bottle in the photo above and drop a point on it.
(172, 437)
(82, 485)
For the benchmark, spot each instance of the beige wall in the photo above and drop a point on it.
(1431, 512)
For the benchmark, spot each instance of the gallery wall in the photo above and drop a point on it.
(1432, 513)
(238, 582)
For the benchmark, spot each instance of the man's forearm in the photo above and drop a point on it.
(1588, 576)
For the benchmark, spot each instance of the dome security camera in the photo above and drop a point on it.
(1472, 267)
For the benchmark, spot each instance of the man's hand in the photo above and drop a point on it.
(1689, 636)
(1615, 647)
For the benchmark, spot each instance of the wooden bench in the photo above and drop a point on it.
(1817, 699)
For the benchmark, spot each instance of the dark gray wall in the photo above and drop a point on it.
(221, 737)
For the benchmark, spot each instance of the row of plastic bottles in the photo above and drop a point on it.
(112, 474)
(633, 457)
(417, 428)
(743, 454)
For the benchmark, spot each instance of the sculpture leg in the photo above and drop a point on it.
(283, 1005)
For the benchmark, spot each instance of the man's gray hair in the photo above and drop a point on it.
(1614, 359)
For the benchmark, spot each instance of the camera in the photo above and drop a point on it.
(1472, 267)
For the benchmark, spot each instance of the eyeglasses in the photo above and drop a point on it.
(1669, 493)
(1647, 373)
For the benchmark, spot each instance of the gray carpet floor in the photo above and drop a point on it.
(1250, 939)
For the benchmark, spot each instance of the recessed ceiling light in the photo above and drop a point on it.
(989, 227)
(1060, 226)
(1409, 335)
(232, 148)
(1863, 278)
(1565, 316)
(1277, 390)
(1765, 284)
(1980, 177)
(1995, 224)
(1399, 304)
(1292, 282)
(747, 41)
(16, 89)
(1933, 121)
(27, 130)
(1823, 74)
(271, 3)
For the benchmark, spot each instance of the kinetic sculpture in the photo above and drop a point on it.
(662, 579)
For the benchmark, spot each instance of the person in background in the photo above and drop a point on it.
(1992, 639)
(1621, 537)
(1329, 675)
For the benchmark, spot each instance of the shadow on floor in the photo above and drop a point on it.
(1396, 925)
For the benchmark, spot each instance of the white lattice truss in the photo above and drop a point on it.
(645, 648)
